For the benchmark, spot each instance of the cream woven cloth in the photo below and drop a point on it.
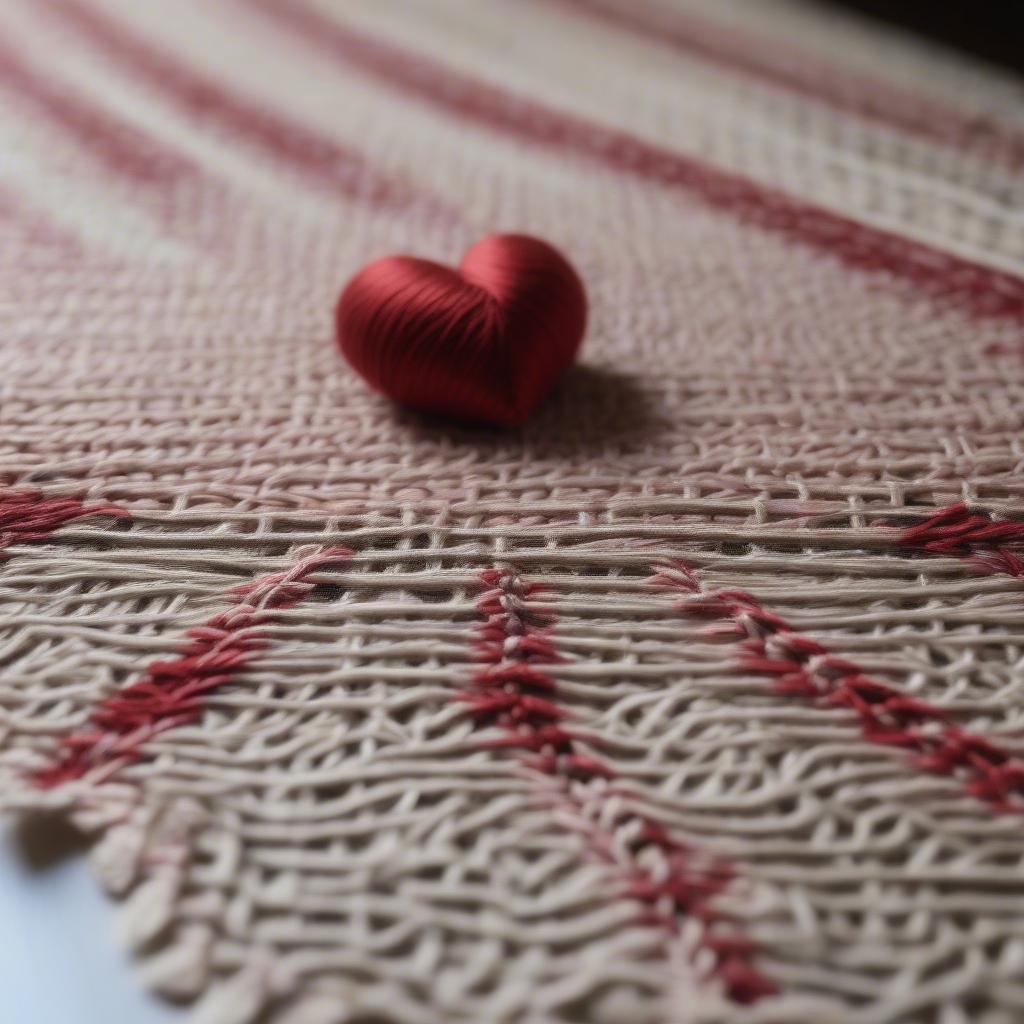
(696, 700)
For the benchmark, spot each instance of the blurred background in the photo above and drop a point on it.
(990, 29)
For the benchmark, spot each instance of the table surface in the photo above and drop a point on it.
(56, 923)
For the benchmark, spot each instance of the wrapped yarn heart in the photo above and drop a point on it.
(483, 342)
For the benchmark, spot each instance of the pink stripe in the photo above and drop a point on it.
(173, 693)
(27, 517)
(801, 667)
(127, 151)
(121, 148)
(772, 61)
(514, 693)
(316, 156)
(994, 546)
(34, 230)
(979, 289)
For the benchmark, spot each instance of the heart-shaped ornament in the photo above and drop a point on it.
(485, 342)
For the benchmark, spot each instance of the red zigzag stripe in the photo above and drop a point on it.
(26, 516)
(172, 693)
(801, 667)
(514, 694)
(981, 290)
(994, 546)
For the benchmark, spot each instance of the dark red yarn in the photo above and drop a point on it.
(26, 515)
(485, 342)
(994, 546)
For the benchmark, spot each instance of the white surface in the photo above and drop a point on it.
(60, 961)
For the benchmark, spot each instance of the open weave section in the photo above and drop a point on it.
(468, 741)
(697, 699)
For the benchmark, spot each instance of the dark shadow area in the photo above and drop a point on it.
(595, 407)
(46, 839)
(590, 409)
(992, 30)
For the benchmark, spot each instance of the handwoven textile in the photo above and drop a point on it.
(696, 700)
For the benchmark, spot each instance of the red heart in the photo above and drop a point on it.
(484, 342)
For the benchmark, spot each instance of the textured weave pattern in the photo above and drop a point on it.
(697, 700)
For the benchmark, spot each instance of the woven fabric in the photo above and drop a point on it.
(697, 699)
